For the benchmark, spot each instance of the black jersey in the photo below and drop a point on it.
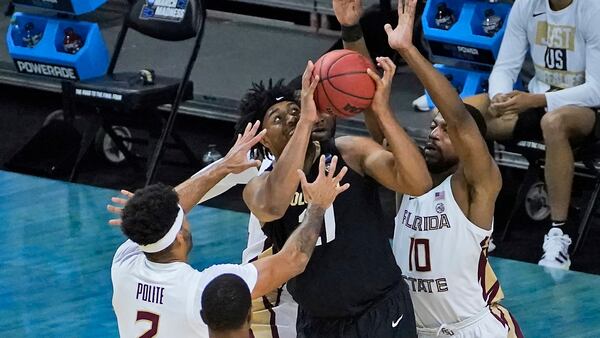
(352, 266)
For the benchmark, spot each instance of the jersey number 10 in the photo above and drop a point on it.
(418, 253)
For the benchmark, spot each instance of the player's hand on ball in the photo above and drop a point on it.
(381, 99)
(308, 108)
(400, 38)
(326, 187)
(117, 210)
(348, 12)
(236, 159)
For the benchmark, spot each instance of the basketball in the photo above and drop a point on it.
(344, 89)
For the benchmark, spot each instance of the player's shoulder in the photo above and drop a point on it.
(247, 272)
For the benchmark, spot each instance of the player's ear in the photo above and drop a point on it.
(249, 315)
(203, 316)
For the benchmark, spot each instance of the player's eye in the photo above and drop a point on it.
(277, 119)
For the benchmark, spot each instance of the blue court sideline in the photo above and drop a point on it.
(57, 248)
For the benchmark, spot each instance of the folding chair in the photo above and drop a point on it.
(132, 98)
(587, 154)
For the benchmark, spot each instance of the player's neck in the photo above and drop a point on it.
(229, 334)
(440, 177)
(167, 258)
(557, 5)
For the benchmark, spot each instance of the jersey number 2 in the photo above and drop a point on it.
(152, 318)
(329, 225)
(419, 246)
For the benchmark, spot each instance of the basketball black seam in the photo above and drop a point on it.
(331, 102)
(325, 90)
(349, 73)
(334, 62)
(329, 77)
(346, 93)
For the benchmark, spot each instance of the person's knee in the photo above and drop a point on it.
(553, 124)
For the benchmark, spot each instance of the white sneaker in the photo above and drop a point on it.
(556, 250)
(420, 104)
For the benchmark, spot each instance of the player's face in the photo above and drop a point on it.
(324, 129)
(280, 121)
(439, 152)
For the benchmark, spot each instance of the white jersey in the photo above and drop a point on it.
(443, 257)
(565, 49)
(163, 300)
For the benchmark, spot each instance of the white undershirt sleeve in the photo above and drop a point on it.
(587, 94)
(512, 53)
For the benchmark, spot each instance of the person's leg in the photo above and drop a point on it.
(499, 128)
(561, 128)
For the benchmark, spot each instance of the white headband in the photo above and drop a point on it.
(168, 238)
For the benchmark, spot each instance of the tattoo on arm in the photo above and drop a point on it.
(304, 238)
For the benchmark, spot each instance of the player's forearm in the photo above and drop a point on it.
(359, 46)
(283, 180)
(193, 189)
(439, 88)
(301, 243)
(411, 175)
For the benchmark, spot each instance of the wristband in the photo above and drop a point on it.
(352, 33)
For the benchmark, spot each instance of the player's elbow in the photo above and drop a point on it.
(267, 211)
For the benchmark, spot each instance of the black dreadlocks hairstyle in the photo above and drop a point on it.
(255, 103)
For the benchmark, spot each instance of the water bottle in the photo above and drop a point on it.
(211, 155)
(72, 42)
(444, 19)
(30, 38)
(492, 23)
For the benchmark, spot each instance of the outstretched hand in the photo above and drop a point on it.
(118, 210)
(308, 108)
(400, 38)
(381, 98)
(326, 187)
(236, 159)
(348, 12)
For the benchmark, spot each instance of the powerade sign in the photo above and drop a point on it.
(164, 10)
(466, 53)
(59, 5)
(46, 69)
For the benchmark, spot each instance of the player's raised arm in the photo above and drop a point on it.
(268, 196)
(193, 189)
(403, 168)
(348, 14)
(275, 270)
(479, 168)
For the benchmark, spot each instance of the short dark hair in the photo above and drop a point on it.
(478, 117)
(150, 213)
(255, 103)
(226, 303)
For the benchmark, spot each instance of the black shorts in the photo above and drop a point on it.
(391, 317)
(528, 128)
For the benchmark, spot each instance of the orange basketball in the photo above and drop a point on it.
(344, 89)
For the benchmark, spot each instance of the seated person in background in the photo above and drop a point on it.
(561, 105)
(227, 307)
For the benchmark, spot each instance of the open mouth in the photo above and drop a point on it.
(430, 147)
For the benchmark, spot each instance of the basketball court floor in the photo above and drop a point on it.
(57, 248)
